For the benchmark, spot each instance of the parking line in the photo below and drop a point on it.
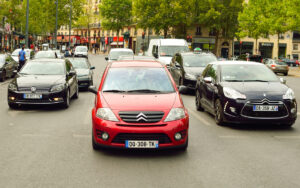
(198, 117)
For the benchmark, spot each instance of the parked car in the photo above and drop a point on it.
(44, 82)
(165, 49)
(245, 92)
(186, 67)
(81, 51)
(84, 71)
(138, 106)
(289, 62)
(277, 66)
(28, 52)
(59, 54)
(49, 54)
(7, 67)
(115, 53)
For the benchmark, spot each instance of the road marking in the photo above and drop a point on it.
(288, 137)
(198, 117)
(233, 136)
(81, 135)
(35, 135)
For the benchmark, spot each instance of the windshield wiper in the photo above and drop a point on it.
(115, 91)
(256, 81)
(144, 91)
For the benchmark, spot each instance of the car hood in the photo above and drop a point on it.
(39, 80)
(258, 90)
(81, 72)
(165, 60)
(197, 71)
(151, 102)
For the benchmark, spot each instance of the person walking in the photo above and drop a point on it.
(22, 58)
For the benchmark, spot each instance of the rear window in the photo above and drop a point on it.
(138, 79)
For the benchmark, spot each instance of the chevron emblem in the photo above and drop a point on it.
(141, 116)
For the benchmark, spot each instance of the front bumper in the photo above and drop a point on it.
(48, 98)
(119, 132)
(241, 111)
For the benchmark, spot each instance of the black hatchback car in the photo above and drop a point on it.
(245, 92)
(44, 81)
(186, 67)
(7, 66)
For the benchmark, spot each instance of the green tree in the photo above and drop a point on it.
(115, 15)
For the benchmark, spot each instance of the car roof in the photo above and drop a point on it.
(121, 49)
(197, 53)
(136, 63)
(47, 60)
(236, 63)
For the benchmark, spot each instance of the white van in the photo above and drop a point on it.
(165, 49)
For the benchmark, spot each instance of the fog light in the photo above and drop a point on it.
(177, 136)
(104, 136)
(12, 98)
(232, 109)
(293, 110)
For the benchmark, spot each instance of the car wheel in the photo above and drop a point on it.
(3, 76)
(66, 103)
(219, 116)
(76, 95)
(285, 74)
(198, 101)
(12, 105)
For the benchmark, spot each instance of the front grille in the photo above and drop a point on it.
(141, 116)
(248, 109)
(38, 89)
(122, 137)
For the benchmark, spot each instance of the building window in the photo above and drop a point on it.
(212, 32)
(198, 31)
(281, 36)
(295, 46)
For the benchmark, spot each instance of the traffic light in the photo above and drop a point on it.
(63, 37)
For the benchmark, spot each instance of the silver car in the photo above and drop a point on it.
(277, 66)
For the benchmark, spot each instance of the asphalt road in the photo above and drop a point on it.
(51, 147)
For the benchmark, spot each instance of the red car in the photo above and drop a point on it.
(138, 105)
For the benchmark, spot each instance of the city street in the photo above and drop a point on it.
(52, 147)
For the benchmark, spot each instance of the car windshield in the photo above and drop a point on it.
(79, 63)
(172, 50)
(114, 55)
(81, 49)
(247, 73)
(44, 68)
(45, 54)
(197, 60)
(143, 80)
(280, 63)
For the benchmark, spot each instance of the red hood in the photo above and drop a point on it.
(117, 101)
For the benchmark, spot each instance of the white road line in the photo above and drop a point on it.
(233, 137)
(198, 117)
(81, 135)
(288, 137)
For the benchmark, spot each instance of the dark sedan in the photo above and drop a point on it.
(84, 71)
(245, 92)
(47, 81)
(186, 67)
(7, 67)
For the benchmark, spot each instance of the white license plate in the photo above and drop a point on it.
(32, 96)
(265, 108)
(141, 144)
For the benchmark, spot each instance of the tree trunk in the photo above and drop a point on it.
(278, 45)
(89, 46)
(165, 32)
(256, 49)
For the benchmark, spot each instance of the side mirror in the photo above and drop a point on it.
(208, 80)
(282, 80)
(106, 58)
(93, 89)
(177, 64)
(92, 68)
(155, 54)
(72, 73)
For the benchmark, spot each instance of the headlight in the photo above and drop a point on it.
(59, 87)
(289, 94)
(233, 94)
(175, 114)
(190, 76)
(12, 87)
(106, 114)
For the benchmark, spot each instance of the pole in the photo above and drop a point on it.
(27, 17)
(55, 35)
(70, 26)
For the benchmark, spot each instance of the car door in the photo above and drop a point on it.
(70, 78)
(209, 89)
(9, 66)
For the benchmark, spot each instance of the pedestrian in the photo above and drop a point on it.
(22, 58)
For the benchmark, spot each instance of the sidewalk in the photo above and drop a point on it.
(294, 71)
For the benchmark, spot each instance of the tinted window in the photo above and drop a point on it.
(171, 50)
(79, 63)
(45, 54)
(114, 55)
(43, 68)
(128, 79)
(197, 60)
(247, 72)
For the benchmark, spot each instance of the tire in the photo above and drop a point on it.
(66, 103)
(12, 105)
(3, 76)
(76, 95)
(197, 101)
(285, 74)
(219, 115)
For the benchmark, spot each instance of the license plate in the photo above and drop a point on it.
(141, 144)
(32, 96)
(265, 108)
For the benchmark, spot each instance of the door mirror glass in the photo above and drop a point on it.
(106, 58)
(208, 80)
